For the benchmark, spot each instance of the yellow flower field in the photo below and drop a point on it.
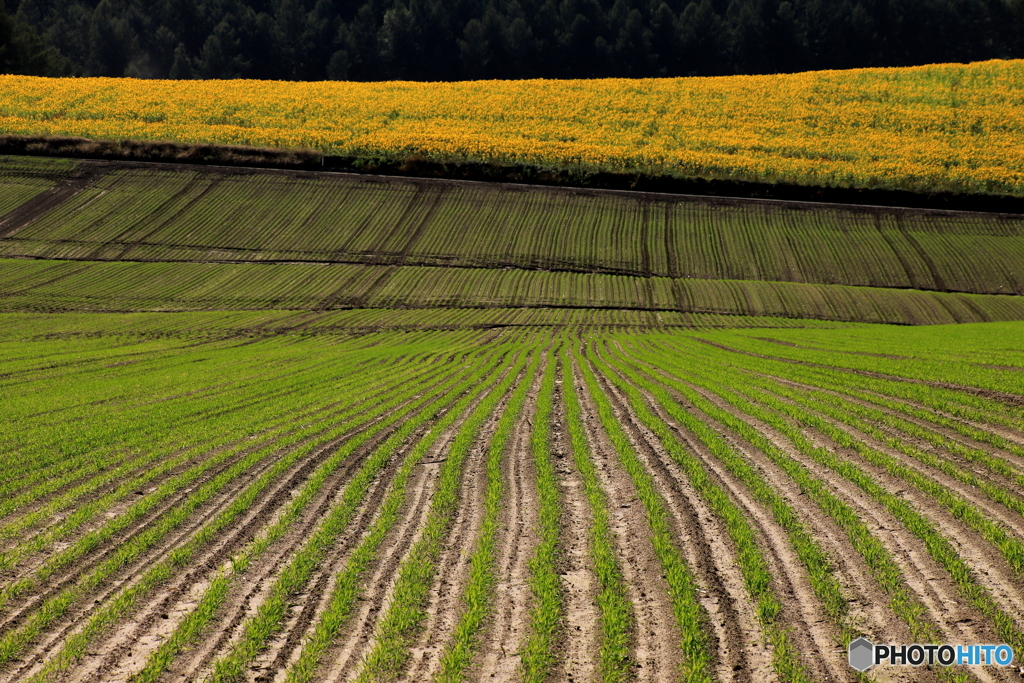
(950, 127)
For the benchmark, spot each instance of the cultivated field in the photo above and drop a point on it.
(130, 237)
(950, 127)
(274, 426)
(532, 504)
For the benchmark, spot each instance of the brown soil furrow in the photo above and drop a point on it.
(81, 567)
(452, 571)
(445, 606)
(276, 495)
(343, 660)
(923, 576)
(988, 564)
(73, 573)
(869, 612)
(246, 596)
(703, 540)
(502, 640)
(355, 641)
(1012, 459)
(117, 507)
(220, 500)
(580, 659)
(814, 636)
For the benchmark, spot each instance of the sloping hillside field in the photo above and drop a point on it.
(278, 426)
(944, 127)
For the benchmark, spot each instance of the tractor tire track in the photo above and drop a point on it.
(500, 643)
(580, 659)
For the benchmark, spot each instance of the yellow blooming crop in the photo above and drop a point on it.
(951, 126)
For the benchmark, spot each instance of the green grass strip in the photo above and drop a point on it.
(538, 654)
(477, 596)
(847, 413)
(938, 546)
(695, 641)
(347, 586)
(616, 612)
(399, 626)
(888, 574)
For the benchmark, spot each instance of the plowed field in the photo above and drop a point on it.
(415, 431)
(539, 504)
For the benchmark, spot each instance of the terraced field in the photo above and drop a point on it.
(274, 427)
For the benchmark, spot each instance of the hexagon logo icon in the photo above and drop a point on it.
(862, 654)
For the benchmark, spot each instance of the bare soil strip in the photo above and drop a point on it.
(957, 621)
(580, 658)
(500, 643)
(989, 565)
(443, 608)
(658, 656)
(355, 639)
(65, 578)
(742, 653)
(46, 201)
(257, 517)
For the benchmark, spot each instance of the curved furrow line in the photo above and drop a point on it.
(815, 633)
(984, 459)
(210, 602)
(935, 451)
(498, 647)
(95, 463)
(969, 428)
(351, 638)
(258, 515)
(580, 658)
(936, 547)
(938, 493)
(476, 602)
(547, 611)
(696, 651)
(173, 497)
(296, 459)
(193, 658)
(127, 518)
(173, 457)
(442, 606)
(166, 495)
(765, 532)
(343, 631)
(290, 653)
(259, 629)
(700, 534)
(402, 618)
(138, 640)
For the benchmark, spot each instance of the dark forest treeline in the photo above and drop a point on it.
(469, 39)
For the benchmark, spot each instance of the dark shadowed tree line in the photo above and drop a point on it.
(470, 39)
